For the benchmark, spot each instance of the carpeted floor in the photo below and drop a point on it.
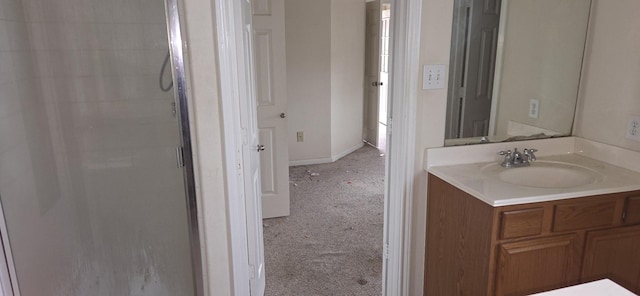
(332, 242)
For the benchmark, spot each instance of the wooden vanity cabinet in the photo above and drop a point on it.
(613, 254)
(473, 248)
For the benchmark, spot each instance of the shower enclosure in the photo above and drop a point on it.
(96, 182)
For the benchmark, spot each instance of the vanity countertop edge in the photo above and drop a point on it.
(468, 177)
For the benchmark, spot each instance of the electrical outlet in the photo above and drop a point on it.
(534, 108)
(433, 76)
(300, 136)
(633, 128)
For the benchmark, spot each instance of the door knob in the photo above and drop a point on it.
(282, 115)
(260, 147)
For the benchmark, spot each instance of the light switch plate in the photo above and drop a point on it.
(300, 136)
(433, 76)
(633, 128)
(534, 108)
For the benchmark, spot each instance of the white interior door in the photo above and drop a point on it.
(251, 150)
(372, 73)
(271, 96)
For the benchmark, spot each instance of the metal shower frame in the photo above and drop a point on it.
(172, 9)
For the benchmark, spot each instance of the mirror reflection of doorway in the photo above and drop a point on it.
(473, 55)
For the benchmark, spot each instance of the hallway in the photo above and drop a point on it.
(332, 242)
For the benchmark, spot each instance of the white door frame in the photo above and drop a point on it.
(401, 138)
(400, 163)
(229, 32)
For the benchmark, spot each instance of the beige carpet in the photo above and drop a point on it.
(332, 242)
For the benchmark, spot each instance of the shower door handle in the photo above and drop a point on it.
(180, 156)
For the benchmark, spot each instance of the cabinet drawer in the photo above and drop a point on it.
(583, 215)
(521, 223)
(632, 210)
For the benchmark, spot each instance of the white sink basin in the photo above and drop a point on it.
(546, 174)
(553, 177)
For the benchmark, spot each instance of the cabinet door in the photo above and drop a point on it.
(613, 254)
(537, 265)
(632, 210)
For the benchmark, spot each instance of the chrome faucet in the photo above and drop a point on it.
(517, 159)
(529, 154)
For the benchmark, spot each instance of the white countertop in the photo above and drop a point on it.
(471, 179)
(597, 288)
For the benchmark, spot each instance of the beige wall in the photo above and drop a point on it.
(325, 74)
(435, 41)
(611, 82)
(542, 59)
(347, 74)
(308, 46)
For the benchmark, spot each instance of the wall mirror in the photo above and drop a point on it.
(515, 69)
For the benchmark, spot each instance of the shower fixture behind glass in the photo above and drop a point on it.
(96, 176)
(162, 71)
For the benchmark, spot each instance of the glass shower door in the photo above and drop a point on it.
(92, 196)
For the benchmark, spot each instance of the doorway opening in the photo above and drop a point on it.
(246, 230)
(331, 241)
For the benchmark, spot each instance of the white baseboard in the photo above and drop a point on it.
(331, 159)
(310, 161)
(347, 152)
